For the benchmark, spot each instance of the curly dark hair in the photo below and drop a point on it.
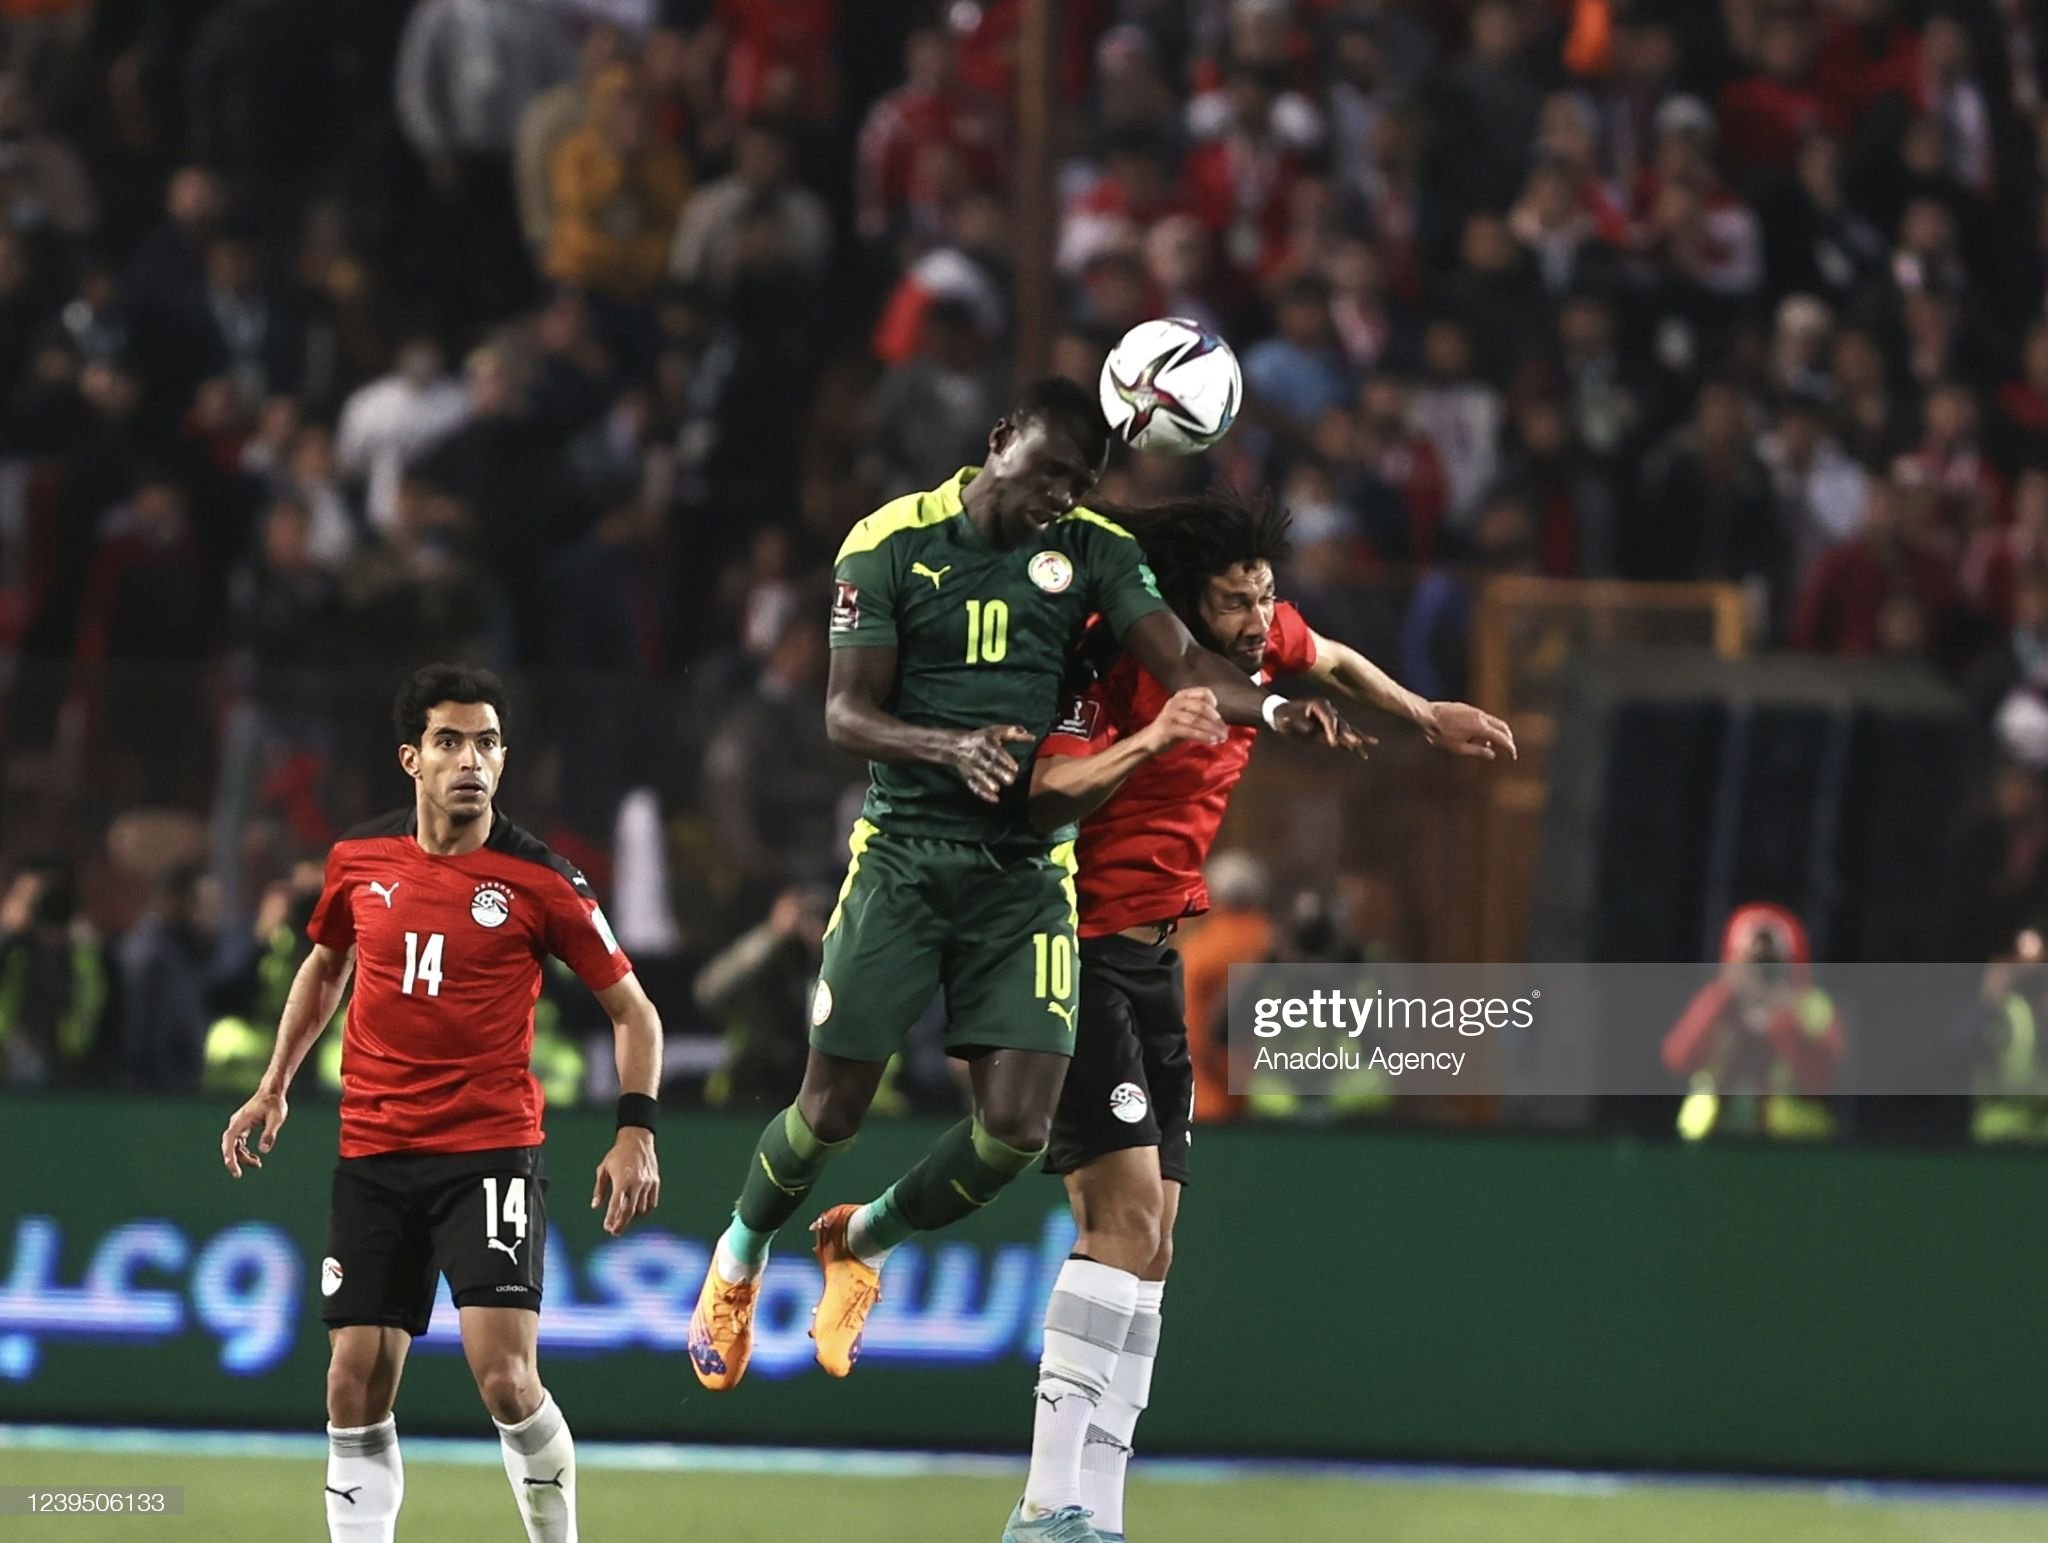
(432, 684)
(1192, 538)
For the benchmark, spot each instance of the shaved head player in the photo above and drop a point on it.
(445, 911)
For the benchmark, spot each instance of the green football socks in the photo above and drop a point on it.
(962, 1173)
(787, 1161)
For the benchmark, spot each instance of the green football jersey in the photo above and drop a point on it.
(982, 636)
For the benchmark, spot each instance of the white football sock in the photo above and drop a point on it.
(731, 1268)
(1108, 1452)
(540, 1460)
(365, 1482)
(1086, 1323)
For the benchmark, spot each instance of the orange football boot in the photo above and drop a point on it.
(852, 1289)
(722, 1330)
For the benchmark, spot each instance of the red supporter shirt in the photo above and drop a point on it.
(1141, 854)
(439, 1035)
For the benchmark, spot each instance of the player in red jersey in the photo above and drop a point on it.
(1150, 809)
(444, 911)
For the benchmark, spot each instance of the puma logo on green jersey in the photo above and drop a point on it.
(934, 574)
(1064, 1014)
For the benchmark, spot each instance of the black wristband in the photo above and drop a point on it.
(637, 1109)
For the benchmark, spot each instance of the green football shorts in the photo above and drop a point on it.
(996, 930)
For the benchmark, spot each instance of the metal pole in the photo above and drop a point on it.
(1033, 210)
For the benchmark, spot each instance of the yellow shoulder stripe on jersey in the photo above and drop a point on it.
(910, 512)
(1093, 518)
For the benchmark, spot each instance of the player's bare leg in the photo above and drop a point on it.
(365, 1476)
(1015, 1094)
(791, 1153)
(1103, 1194)
(502, 1345)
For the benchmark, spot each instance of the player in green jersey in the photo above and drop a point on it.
(953, 623)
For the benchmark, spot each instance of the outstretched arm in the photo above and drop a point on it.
(1165, 647)
(1453, 726)
(858, 723)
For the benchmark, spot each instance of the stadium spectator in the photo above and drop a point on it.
(1998, 880)
(966, 267)
(263, 100)
(1705, 509)
(1571, 504)
(1181, 263)
(285, 606)
(1435, 641)
(165, 977)
(706, 249)
(392, 419)
(1297, 375)
(1868, 418)
(1819, 490)
(1949, 91)
(771, 781)
(1133, 95)
(1237, 930)
(417, 593)
(466, 71)
(1494, 294)
(1767, 116)
(927, 121)
(613, 603)
(57, 1002)
(1816, 241)
(1404, 459)
(2020, 656)
(1133, 192)
(168, 270)
(1363, 321)
(1362, 90)
(496, 468)
(1883, 592)
(551, 118)
(1554, 226)
(1240, 174)
(757, 989)
(1998, 556)
(617, 191)
(931, 413)
(147, 598)
(1457, 411)
(44, 183)
(1493, 100)
(2021, 414)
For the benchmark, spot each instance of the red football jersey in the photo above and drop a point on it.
(1142, 852)
(436, 1050)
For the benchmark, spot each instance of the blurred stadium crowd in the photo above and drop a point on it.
(570, 335)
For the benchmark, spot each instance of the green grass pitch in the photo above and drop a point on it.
(278, 1500)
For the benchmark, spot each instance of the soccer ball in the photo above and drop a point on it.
(1171, 386)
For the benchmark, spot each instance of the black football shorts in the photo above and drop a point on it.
(1131, 1083)
(400, 1219)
